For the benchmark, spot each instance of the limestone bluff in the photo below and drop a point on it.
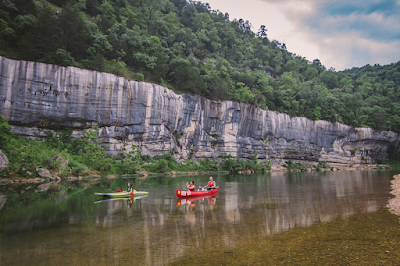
(36, 96)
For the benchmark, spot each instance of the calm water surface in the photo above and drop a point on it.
(70, 225)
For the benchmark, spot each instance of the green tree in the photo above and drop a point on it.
(74, 35)
(44, 39)
(5, 132)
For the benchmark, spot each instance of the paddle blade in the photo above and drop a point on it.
(132, 194)
(118, 190)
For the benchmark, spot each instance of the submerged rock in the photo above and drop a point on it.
(3, 200)
(43, 187)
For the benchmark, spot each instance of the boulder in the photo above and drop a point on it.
(63, 161)
(3, 161)
(43, 172)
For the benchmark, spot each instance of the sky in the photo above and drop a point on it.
(340, 33)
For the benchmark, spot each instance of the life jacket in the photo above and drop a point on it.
(191, 187)
(210, 183)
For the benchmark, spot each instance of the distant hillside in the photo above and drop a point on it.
(189, 47)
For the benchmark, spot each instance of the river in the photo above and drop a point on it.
(69, 225)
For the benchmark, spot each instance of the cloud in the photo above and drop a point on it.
(341, 33)
(371, 19)
(354, 51)
(347, 33)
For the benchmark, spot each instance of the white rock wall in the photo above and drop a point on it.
(36, 95)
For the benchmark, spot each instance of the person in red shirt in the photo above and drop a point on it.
(190, 186)
(211, 184)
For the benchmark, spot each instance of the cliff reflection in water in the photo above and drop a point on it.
(160, 228)
(247, 208)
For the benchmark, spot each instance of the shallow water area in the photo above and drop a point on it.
(252, 216)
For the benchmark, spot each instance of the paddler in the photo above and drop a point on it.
(129, 188)
(211, 184)
(190, 186)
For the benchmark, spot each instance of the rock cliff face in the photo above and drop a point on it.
(37, 96)
(3, 161)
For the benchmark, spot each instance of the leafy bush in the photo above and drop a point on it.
(5, 132)
(131, 164)
(209, 164)
(294, 166)
(162, 166)
(323, 164)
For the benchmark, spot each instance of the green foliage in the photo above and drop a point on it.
(191, 48)
(323, 164)
(162, 166)
(393, 153)
(5, 133)
(209, 164)
(85, 153)
(77, 167)
(131, 164)
(234, 165)
(294, 166)
(92, 154)
(228, 163)
(27, 155)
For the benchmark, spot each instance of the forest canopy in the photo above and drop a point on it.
(190, 48)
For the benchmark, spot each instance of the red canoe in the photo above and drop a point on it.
(185, 193)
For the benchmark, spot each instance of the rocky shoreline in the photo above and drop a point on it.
(46, 176)
(394, 203)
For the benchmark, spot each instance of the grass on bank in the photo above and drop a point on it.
(86, 155)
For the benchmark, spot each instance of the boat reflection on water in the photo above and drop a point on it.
(190, 201)
(129, 200)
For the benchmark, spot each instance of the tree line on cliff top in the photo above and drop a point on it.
(191, 48)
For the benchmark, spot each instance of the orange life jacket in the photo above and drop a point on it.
(191, 187)
(210, 183)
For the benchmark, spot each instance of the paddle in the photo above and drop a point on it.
(131, 193)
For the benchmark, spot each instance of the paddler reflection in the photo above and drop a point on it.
(212, 201)
(130, 201)
(191, 201)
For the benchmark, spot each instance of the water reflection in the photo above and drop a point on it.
(161, 228)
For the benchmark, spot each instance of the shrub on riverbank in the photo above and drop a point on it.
(85, 154)
(294, 166)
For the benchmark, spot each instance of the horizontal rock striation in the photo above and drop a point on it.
(36, 96)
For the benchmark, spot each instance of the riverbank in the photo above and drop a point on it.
(394, 203)
(52, 176)
(61, 157)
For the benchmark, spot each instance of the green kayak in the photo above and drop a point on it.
(123, 194)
